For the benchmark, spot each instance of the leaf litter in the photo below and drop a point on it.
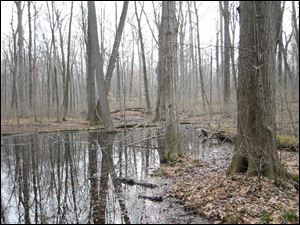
(204, 187)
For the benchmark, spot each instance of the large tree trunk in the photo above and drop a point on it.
(94, 61)
(168, 69)
(255, 149)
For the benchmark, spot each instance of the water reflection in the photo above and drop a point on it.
(72, 177)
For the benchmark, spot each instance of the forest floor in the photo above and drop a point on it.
(204, 188)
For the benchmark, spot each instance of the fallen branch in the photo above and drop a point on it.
(138, 109)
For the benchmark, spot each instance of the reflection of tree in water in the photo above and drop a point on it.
(92, 166)
(21, 177)
(69, 164)
(99, 192)
(49, 178)
(161, 142)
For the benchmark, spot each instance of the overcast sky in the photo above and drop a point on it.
(208, 13)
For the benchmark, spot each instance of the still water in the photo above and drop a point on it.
(74, 177)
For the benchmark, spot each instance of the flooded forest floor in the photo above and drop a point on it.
(196, 190)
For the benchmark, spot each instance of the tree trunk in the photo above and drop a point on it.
(255, 149)
(14, 98)
(34, 69)
(21, 75)
(221, 74)
(113, 57)
(192, 83)
(55, 60)
(138, 18)
(296, 34)
(182, 90)
(203, 93)
(30, 55)
(94, 61)
(168, 69)
(217, 67)
(132, 66)
(226, 59)
(68, 75)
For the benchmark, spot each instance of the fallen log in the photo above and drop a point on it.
(152, 198)
(231, 138)
(131, 182)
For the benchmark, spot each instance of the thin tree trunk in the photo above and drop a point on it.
(34, 69)
(132, 66)
(226, 59)
(21, 75)
(113, 57)
(203, 93)
(144, 60)
(68, 75)
(30, 55)
(221, 74)
(192, 84)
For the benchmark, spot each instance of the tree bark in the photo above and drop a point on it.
(168, 69)
(68, 75)
(226, 59)
(138, 18)
(21, 75)
(94, 61)
(255, 149)
(30, 55)
(90, 78)
(203, 93)
(113, 57)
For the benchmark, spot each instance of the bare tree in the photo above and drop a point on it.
(255, 149)
(30, 55)
(90, 75)
(168, 66)
(94, 62)
(232, 21)
(21, 74)
(226, 56)
(53, 64)
(113, 57)
(203, 93)
(295, 24)
(65, 103)
(138, 18)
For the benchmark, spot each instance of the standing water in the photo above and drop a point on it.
(88, 177)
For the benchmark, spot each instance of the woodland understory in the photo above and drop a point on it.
(70, 67)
